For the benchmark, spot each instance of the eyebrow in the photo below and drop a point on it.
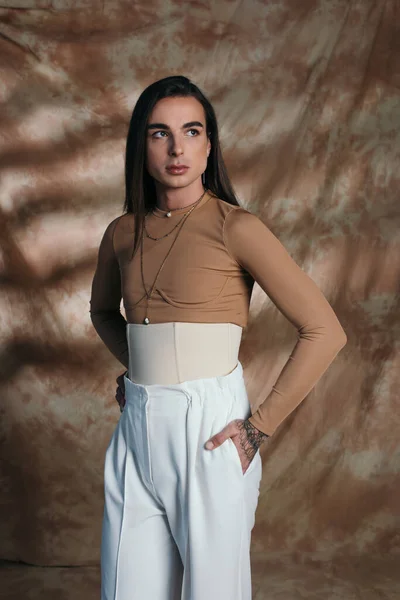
(164, 126)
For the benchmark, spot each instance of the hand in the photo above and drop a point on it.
(120, 393)
(244, 435)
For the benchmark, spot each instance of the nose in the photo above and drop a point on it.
(175, 146)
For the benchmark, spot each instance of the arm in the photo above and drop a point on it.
(296, 295)
(105, 299)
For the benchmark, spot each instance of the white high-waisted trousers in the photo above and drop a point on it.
(178, 517)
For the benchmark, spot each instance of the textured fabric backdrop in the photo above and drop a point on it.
(307, 95)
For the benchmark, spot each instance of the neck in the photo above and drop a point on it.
(173, 199)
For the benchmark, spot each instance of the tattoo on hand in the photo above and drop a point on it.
(251, 438)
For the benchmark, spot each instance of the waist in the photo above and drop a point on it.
(174, 352)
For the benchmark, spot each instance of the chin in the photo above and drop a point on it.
(176, 181)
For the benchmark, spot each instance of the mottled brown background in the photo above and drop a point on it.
(307, 95)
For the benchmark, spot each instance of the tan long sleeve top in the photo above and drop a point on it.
(208, 277)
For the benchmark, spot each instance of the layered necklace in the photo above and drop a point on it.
(181, 222)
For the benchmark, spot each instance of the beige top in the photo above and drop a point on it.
(208, 278)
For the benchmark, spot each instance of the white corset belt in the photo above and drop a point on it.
(170, 353)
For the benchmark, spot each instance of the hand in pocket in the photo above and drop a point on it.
(237, 431)
(120, 392)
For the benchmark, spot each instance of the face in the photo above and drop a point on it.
(176, 133)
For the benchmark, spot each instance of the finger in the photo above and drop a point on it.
(121, 405)
(121, 390)
(219, 438)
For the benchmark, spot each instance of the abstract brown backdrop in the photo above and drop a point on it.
(307, 95)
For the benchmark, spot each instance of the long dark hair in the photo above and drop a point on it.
(140, 191)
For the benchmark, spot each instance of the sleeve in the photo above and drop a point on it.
(320, 335)
(105, 299)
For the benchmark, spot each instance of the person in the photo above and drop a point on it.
(184, 257)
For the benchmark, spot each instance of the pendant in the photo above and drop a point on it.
(146, 320)
(168, 214)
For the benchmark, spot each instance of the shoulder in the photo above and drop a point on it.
(122, 224)
(240, 221)
(237, 211)
(226, 209)
(113, 232)
(246, 235)
(111, 227)
(125, 222)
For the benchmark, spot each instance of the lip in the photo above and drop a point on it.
(177, 168)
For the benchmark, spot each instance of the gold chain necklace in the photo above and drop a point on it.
(146, 320)
(171, 210)
(168, 214)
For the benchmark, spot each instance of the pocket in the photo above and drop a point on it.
(237, 458)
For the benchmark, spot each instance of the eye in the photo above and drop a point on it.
(162, 131)
(154, 134)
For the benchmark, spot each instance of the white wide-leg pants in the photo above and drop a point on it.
(178, 517)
